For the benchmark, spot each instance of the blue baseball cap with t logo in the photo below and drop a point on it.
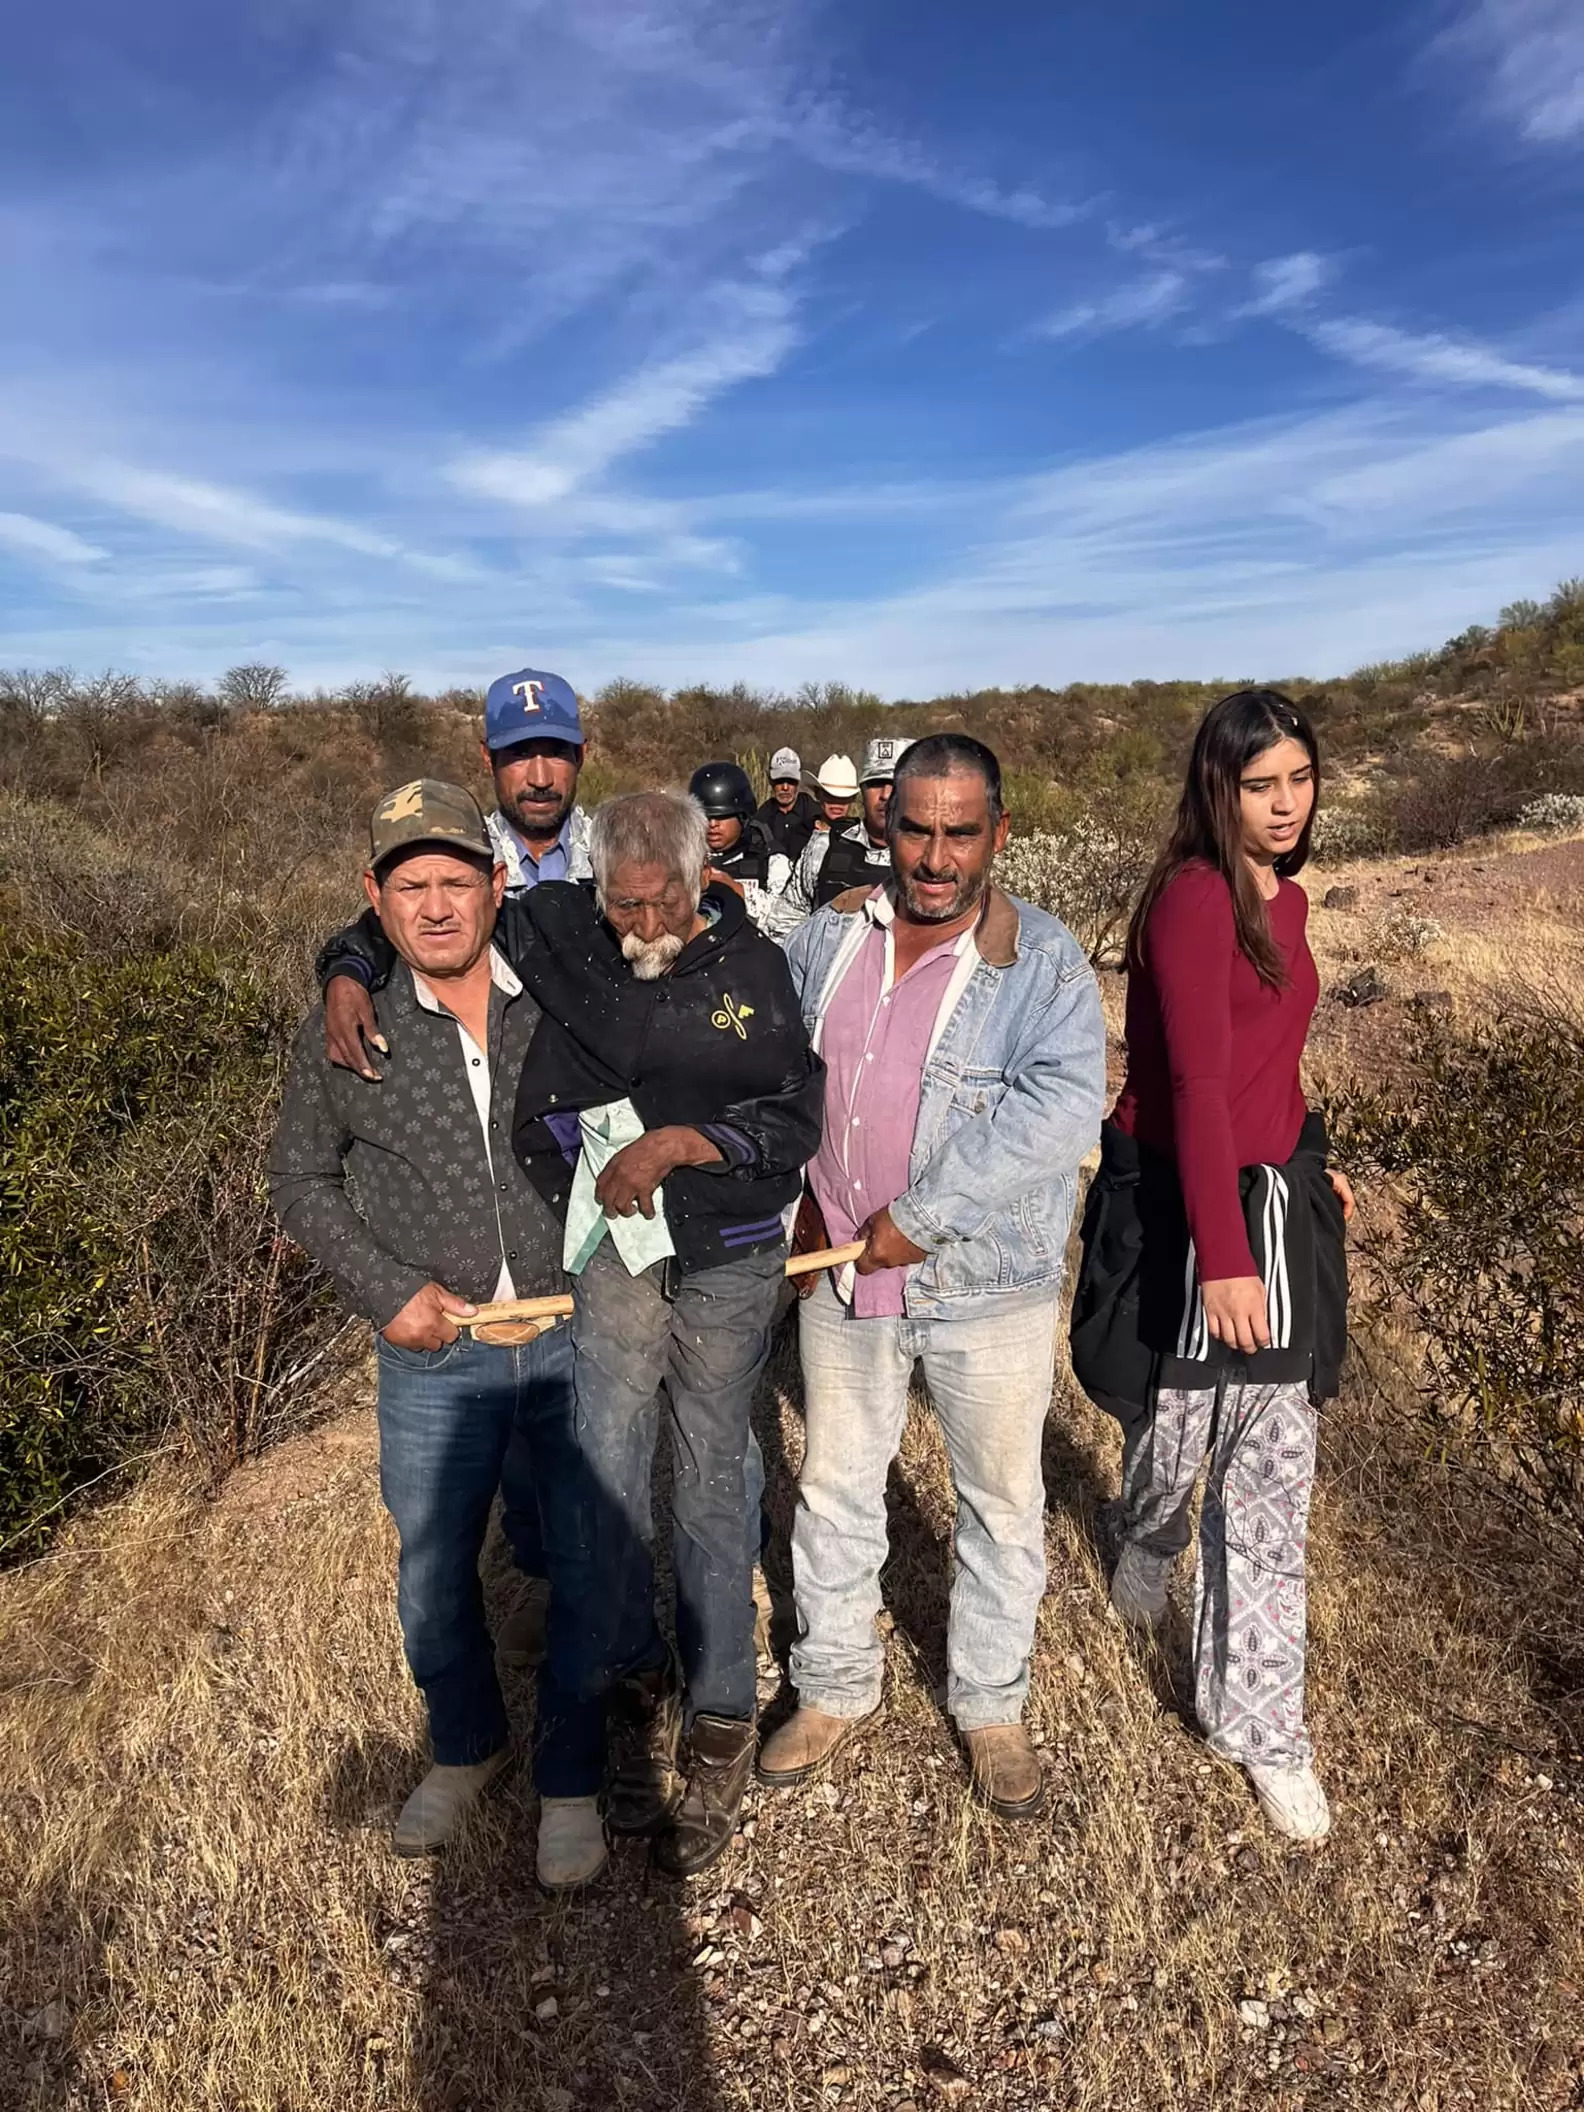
(530, 706)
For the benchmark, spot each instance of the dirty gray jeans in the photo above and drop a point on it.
(990, 1381)
(1250, 1613)
(696, 1357)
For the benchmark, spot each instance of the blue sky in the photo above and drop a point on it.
(905, 343)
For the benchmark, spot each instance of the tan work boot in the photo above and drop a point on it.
(437, 1807)
(572, 1850)
(520, 1640)
(804, 1743)
(1006, 1771)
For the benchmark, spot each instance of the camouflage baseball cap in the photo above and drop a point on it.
(428, 811)
(881, 757)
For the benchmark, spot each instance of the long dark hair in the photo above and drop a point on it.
(1209, 824)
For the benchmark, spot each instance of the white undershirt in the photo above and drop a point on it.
(478, 1077)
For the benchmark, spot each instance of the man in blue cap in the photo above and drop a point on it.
(533, 748)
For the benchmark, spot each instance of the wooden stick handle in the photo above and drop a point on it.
(826, 1258)
(558, 1308)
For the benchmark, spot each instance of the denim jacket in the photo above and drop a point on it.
(1013, 1091)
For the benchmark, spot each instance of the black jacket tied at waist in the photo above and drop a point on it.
(1138, 1320)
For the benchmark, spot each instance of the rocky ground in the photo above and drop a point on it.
(208, 1731)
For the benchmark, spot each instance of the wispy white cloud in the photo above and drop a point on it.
(1526, 62)
(836, 139)
(1141, 304)
(218, 513)
(1286, 290)
(1282, 284)
(1296, 545)
(1445, 361)
(753, 331)
(60, 546)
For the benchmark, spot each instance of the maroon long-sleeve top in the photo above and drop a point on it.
(1214, 1053)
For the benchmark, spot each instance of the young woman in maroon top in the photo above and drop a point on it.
(1221, 988)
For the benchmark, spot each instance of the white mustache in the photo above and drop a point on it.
(650, 958)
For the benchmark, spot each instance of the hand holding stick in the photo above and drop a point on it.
(501, 1321)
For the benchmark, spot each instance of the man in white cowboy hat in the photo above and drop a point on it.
(789, 814)
(846, 854)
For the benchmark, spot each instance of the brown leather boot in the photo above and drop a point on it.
(804, 1743)
(645, 1728)
(1006, 1770)
(701, 1830)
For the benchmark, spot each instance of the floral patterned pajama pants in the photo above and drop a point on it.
(1249, 1605)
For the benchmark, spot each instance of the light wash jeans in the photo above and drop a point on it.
(990, 1380)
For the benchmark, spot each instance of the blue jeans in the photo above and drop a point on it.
(521, 1522)
(990, 1381)
(706, 1349)
(446, 1418)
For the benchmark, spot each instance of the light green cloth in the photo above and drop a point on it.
(639, 1240)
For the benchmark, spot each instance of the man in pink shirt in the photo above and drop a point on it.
(965, 1058)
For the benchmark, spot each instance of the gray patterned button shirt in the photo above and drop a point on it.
(390, 1186)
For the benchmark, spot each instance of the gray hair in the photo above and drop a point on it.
(649, 828)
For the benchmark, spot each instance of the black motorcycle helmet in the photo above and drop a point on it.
(724, 792)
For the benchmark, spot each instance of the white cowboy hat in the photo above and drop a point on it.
(836, 778)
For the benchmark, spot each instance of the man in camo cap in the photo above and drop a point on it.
(405, 1189)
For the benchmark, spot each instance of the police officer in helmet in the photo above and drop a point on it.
(741, 853)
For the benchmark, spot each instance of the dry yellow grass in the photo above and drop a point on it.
(208, 1729)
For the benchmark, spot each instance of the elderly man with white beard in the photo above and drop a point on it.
(674, 1166)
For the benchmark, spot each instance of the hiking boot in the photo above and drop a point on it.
(804, 1743)
(646, 1725)
(442, 1800)
(1293, 1801)
(520, 1640)
(572, 1850)
(1139, 1597)
(702, 1827)
(1005, 1770)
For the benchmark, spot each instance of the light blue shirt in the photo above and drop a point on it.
(522, 869)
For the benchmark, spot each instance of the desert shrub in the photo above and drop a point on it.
(1448, 800)
(1350, 829)
(1089, 876)
(1553, 813)
(141, 1281)
(1481, 1139)
(1402, 934)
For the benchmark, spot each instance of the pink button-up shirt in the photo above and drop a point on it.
(876, 1038)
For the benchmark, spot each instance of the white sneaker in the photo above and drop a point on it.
(1292, 1801)
(572, 1847)
(437, 1807)
(1139, 1596)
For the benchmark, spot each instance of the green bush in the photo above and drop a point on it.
(1481, 1140)
(141, 1281)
